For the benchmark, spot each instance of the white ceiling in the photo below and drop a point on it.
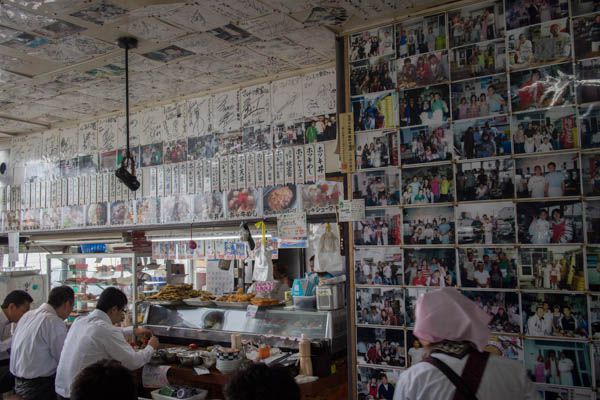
(59, 62)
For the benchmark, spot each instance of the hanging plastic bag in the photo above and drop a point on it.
(327, 249)
(263, 264)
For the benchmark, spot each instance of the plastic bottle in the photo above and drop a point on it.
(305, 361)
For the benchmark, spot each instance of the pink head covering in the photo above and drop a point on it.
(445, 314)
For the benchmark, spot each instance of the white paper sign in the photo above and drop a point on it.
(320, 162)
(292, 226)
(13, 247)
(191, 177)
(255, 104)
(241, 170)
(351, 210)
(218, 281)
(224, 175)
(260, 169)
(319, 93)
(279, 167)
(269, 168)
(214, 172)
(250, 170)
(226, 112)
(155, 376)
(299, 164)
(175, 179)
(233, 181)
(160, 181)
(199, 177)
(183, 178)
(207, 165)
(289, 165)
(168, 180)
(94, 189)
(286, 95)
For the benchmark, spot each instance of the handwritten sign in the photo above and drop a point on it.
(351, 210)
(292, 226)
(347, 152)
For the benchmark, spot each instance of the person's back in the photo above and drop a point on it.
(259, 382)
(104, 380)
(424, 381)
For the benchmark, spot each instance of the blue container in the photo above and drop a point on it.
(93, 248)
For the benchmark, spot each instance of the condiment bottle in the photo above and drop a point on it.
(264, 351)
(236, 341)
(305, 361)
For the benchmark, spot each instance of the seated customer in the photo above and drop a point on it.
(259, 382)
(106, 379)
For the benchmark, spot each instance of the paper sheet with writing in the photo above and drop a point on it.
(155, 376)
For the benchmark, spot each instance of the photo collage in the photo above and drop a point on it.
(495, 115)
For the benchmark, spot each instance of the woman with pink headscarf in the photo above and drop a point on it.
(454, 332)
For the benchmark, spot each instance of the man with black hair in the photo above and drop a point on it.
(94, 337)
(15, 304)
(106, 379)
(37, 344)
(259, 382)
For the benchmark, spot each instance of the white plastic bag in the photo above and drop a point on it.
(326, 245)
(263, 265)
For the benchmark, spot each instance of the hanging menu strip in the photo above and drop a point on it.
(183, 178)
(168, 180)
(260, 169)
(207, 175)
(191, 178)
(105, 186)
(214, 175)
(309, 163)
(299, 164)
(279, 167)
(289, 165)
(93, 189)
(175, 179)
(269, 168)
(160, 181)
(152, 171)
(233, 181)
(241, 170)
(224, 166)
(320, 161)
(251, 170)
(199, 177)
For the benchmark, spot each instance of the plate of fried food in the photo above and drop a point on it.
(265, 302)
(204, 300)
(173, 294)
(237, 299)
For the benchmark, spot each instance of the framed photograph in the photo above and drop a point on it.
(428, 185)
(486, 223)
(430, 226)
(89, 164)
(256, 138)
(379, 266)
(539, 177)
(421, 35)
(122, 213)
(425, 106)
(379, 346)
(469, 140)
(380, 306)
(168, 54)
(380, 227)
(592, 216)
(558, 125)
(321, 197)
(288, 134)
(485, 180)
(377, 188)
(416, 351)
(479, 59)
(410, 299)
(590, 127)
(430, 267)
(176, 209)
(202, 147)
(507, 346)
(565, 363)
(152, 155)
(373, 111)
(480, 97)
(50, 218)
(229, 143)
(425, 144)
(547, 314)
(375, 383)
(587, 76)
(552, 44)
(422, 70)
(476, 23)
(148, 211)
(550, 222)
(372, 75)
(244, 203)
(322, 128)
(552, 268)
(96, 214)
(502, 307)
(208, 206)
(488, 267)
(175, 151)
(592, 263)
(586, 30)
(521, 13)
(282, 199)
(590, 171)
(376, 149)
(372, 43)
(30, 220)
(542, 87)
(73, 217)
(108, 161)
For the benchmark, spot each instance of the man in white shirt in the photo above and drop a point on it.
(14, 306)
(481, 276)
(37, 344)
(94, 337)
(537, 324)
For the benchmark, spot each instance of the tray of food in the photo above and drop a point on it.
(238, 299)
(171, 295)
(232, 304)
(266, 303)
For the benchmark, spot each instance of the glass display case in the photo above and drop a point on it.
(277, 326)
(90, 274)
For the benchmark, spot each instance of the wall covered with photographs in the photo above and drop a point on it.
(478, 157)
(241, 154)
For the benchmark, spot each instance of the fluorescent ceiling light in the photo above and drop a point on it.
(201, 238)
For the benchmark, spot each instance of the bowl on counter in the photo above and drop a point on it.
(171, 354)
(190, 358)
